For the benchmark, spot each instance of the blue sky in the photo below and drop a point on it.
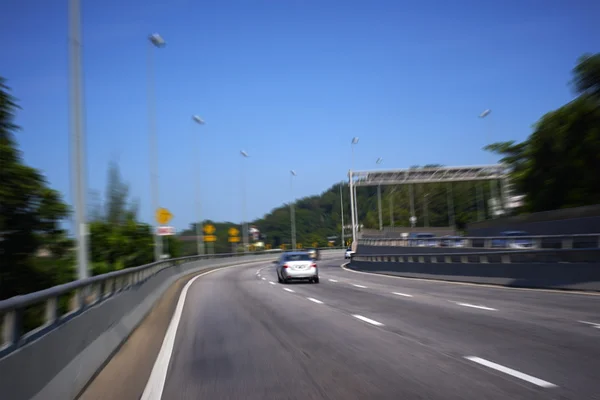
(291, 82)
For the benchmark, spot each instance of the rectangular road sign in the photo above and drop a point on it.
(210, 238)
(234, 239)
(165, 231)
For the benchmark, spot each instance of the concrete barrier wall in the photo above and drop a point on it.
(572, 276)
(399, 250)
(59, 364)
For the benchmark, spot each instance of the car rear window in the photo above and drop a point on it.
(297, 257)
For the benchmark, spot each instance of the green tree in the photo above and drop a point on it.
(118, 239)
(30, 215)
(556, 167)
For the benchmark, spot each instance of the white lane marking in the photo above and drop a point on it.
(402, 294)
(512, 372)
(475, 306)
(360, 286)
(474, 285)
(315, 300)
(370, 321)
(288, 290)
(264, 279)
(271, 282)
(594, 324)
(156, 382)
(332, 280)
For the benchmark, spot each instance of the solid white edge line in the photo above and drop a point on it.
(315, 300)
(402, 294)
(288, 290)
(480, 285)
(271, 282)
(511, 372)
(475, 306)
(332, 280)
(368, 320)
(359, 286)
(156, 382)
(594, 324)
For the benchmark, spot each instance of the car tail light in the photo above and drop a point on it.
(313, 265)
(285, 266)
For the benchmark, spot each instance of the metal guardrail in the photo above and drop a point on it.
(543, 256)
(539, 242)
(82, 294)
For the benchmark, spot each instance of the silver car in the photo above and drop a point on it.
(296, 265)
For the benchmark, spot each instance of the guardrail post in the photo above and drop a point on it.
(433, 259)
(505, 258)
(468, 243)
(567, 243)
(11, 332)
(421, 259)
(447, 259)
(487, 243)
(51, 310)
(464, 259)
(483, 259)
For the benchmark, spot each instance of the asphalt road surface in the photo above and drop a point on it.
(242, 335)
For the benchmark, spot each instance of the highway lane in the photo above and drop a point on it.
(243, 335)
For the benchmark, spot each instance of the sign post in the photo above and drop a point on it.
(209, 237)
(163, 217)
(234, 238)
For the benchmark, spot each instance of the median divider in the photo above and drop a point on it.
(57, 359)
(569, 269)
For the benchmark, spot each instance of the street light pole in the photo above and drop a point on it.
(379, 160)
(353, 192)
(292, 211)
(199, 225)
(244, 225)
(78, 138)
(342, 212)
(155, 41)
(484, 115)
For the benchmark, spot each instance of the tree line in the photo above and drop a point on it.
(555, 167)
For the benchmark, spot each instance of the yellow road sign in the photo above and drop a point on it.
(163, 216)
(282, 247)
(233, 232)
(330, 244)
(315, 244)
(299, 245)
(251, 247)
(209, 229)
(234, 239)
(210, 238)
(268, 247)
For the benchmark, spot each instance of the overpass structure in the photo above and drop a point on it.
(494, 174)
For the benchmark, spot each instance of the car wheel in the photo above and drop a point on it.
(316, 280)
(279, 278)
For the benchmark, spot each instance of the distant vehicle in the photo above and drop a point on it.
(315, 254)
(515, 243)
(349, 253)
(422, 240)
(296, 265)
(452, 241)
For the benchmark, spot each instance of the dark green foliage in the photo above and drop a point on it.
(558, 165)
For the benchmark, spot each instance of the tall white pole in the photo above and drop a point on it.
(342, 212)
(78, 139)
(244, 224)
(155, 41)
(199, 235)
(292, 211)
(352, 215)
